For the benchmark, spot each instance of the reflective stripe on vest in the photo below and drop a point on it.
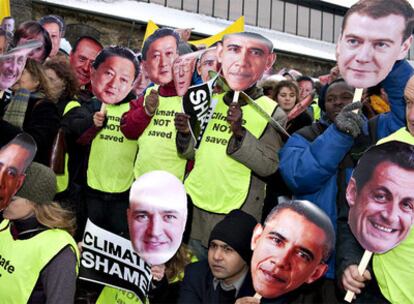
(218, 183)
(63, 179)
(393, 269)
(111, 160)
(21, 261)
(157, 148)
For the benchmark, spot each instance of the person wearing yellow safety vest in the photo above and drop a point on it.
(238, 145)
(111, 157)
(166, 282)
(151, 117)
(38, 256)
(393, 270)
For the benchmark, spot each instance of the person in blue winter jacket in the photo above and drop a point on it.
(319, 157)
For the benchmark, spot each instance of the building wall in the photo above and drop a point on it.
(107, 30)
(21, 10)
(119, 32)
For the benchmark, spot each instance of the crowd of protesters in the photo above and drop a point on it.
(101, 117)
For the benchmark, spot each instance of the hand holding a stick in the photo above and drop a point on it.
(348, 121)
(234, 118)
(352, 281)
(181, 122)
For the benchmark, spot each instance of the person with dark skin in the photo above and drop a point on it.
(231, 144)
(15, 157)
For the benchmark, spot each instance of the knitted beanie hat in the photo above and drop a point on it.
(236, 230)
(39, 185)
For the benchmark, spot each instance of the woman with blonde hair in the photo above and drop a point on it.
(33, 110)
(35, 237)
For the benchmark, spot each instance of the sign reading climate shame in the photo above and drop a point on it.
(198, 104)
(109, 259)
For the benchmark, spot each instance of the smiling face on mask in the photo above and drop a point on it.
(286, 256)
(244, 59)
(11, 69)
(368, 48)
(382, 210)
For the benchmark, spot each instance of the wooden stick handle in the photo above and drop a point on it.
(103, 107)
(361, 269)
(236, 96)
(257, 296)
(357, 97)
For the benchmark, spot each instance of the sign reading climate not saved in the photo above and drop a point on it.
(109, 259)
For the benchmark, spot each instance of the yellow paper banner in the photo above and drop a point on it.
(151, 28)
(4, 9)
(236, 27)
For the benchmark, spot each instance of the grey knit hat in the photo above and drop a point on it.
(39, 185)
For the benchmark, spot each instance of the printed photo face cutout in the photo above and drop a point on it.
(159, 54)
(12, 64)
(156, 216)
(183, 70)
(409, 105)
(15, 157)
(54, 32)
(3, 44)
(380, 196)
(81, 59)
(208, 62)
(184, 33)
(286, 256)
(368, 46)
(142, 81)
(112, 78)
(244, 58)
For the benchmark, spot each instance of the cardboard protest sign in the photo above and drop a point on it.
(197, 103)
(15, 156)
(109, 259)
(13, 62)
(285, 256)
(157, 215)
(369, 44)
(380, 198)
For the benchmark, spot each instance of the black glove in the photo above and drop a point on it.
(349, 122)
